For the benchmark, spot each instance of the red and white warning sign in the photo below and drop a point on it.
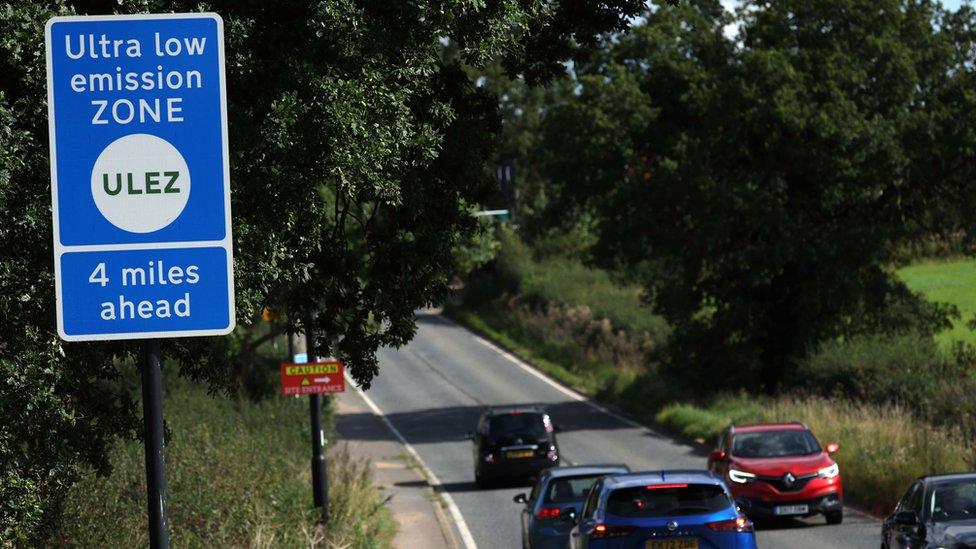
(312, 378)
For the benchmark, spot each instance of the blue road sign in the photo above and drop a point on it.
(140, 184)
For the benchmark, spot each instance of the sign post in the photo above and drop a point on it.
(140, 193)
(315, 378)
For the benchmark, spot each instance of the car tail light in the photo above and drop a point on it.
(489, 458)
(738, 524)
(552, 455)
(602, 531)
(547, 513)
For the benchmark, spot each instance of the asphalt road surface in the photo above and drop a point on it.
(433, 390)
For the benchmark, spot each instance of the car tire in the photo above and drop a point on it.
(480, 480)
(835, 517)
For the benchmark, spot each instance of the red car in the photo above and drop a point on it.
(779, 470)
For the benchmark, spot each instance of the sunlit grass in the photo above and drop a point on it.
(949, 282)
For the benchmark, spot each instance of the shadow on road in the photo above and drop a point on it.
(449, 424)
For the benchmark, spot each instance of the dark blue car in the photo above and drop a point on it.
(661, 510)
(546, 520)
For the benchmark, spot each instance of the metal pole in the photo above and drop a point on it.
(152, 417)
(320, 479)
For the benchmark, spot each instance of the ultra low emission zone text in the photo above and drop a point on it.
(124, 111)
(155, 273)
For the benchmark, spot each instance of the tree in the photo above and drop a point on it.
(759, 201)
(355, 149)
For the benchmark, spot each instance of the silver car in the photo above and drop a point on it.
(556, 497)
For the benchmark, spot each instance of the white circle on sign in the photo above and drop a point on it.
(140, 183)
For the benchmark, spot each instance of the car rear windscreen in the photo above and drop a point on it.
(568, 489)
(667, 500)
(508, 425)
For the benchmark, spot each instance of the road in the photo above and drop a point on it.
(433, 390)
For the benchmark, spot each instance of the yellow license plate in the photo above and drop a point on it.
(675, 543)
(519, 454)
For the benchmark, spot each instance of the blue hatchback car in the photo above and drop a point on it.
(661, 510)
(555, 497)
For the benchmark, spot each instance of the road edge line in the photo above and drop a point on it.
(466, 538)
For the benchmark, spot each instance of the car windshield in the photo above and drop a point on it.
(667, 500)
(774, 444)
(953, 500)
(567, 489)
(507, 426)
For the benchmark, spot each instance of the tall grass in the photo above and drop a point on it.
(883, 448)
(238, 476)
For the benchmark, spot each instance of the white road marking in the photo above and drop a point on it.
(462, 526)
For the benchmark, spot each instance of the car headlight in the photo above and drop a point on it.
(740, 477)
(829, 472)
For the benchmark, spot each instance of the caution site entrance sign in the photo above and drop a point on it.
(312, 378)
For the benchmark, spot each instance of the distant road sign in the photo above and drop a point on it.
(312, 378)
(140, 184)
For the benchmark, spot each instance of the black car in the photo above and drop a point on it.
(937, 511)
(514, 442)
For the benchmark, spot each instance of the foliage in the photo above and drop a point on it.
(908, 370)
(478, 248)
(238, 476)
(354, 149)
(759, 185)
(565, 281)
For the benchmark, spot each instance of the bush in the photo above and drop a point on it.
(564, 282)
(876, 368)
(905, 370)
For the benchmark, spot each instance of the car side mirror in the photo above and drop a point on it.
(568, 514)
(717, 455)
(469, 435)
(906, 518)
(587, 527)
(833, 447)
(743, 505)
(520, 498)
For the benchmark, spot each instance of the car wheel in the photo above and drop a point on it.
(480, 480)
(835, 517)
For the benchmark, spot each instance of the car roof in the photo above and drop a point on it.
(691, 476)
(578, 470)
(765, 427)
(516, 409)
(948, 476)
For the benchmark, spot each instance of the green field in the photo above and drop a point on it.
(949, 282)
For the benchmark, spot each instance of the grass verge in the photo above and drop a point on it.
(238, 476)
